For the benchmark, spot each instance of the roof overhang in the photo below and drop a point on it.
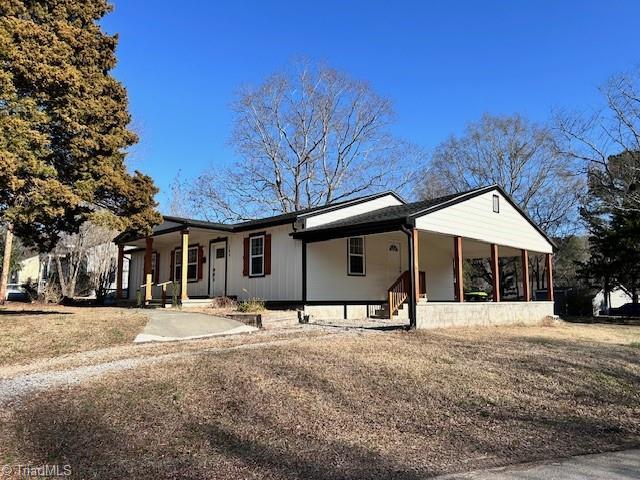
(319, 235)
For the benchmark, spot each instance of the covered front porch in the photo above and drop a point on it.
(419, 275)
(178, 264)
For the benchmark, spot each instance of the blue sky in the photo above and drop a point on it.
(442, 63)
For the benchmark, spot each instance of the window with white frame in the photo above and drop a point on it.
(356, 256)
(192, 264)
(496, 204)
(256, 256)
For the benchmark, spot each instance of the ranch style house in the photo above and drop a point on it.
(370, 256)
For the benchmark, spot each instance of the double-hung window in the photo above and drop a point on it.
(356, 258)
(192, 264)
(256, 256)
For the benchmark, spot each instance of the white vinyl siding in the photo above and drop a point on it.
(475, 219)
(328, 279)
(136, 273)
(285, 281)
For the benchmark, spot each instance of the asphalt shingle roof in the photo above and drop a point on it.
(396, 212)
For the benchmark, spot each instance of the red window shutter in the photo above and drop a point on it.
(267, 254)
(157, 269)
(200, 261)
(245, 263)
(173, 270)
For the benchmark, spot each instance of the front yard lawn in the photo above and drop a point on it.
(32, 332)
(387, 405)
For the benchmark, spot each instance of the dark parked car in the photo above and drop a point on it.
(626, 310)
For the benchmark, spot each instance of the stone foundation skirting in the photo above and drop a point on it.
(468, 314)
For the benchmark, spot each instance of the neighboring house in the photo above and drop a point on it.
(351, 259)
(29, 271)
(38, 269)
(616, 298)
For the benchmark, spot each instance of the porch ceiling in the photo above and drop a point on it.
(470, 248)
(173, 238)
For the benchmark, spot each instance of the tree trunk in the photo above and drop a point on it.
(61, 277)
(6, 263)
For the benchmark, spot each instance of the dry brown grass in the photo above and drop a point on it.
(31, 332)
(401, 405)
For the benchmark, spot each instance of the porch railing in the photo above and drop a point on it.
(398, 293)
(163, 286)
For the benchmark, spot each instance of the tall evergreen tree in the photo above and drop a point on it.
(614, 226)
(64, 125)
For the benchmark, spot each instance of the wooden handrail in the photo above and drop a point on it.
(398, 293)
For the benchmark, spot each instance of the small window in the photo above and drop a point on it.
(192, 264)
(356, 256)
(256, 256)
(496, 203)
(219, 252)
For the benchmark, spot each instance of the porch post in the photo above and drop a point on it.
(525, 276)
(119, 271)
(457, 269)
(495, 272)
(147, 269)
(414, 284)
(549, 268)
(416, 265)
(184, 270)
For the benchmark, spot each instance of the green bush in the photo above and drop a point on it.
(251, 305)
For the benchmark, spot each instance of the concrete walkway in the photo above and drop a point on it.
(170, 325)
(624, 465)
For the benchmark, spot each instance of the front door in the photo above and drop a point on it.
(394, 260)
(217, 269)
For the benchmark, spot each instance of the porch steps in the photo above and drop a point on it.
(383, 312)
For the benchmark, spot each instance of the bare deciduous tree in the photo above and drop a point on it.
(179, 205)
(516, 154)
(523, 158)
(308, 136)
(595, 137)
(101, 267)
(72, 254)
